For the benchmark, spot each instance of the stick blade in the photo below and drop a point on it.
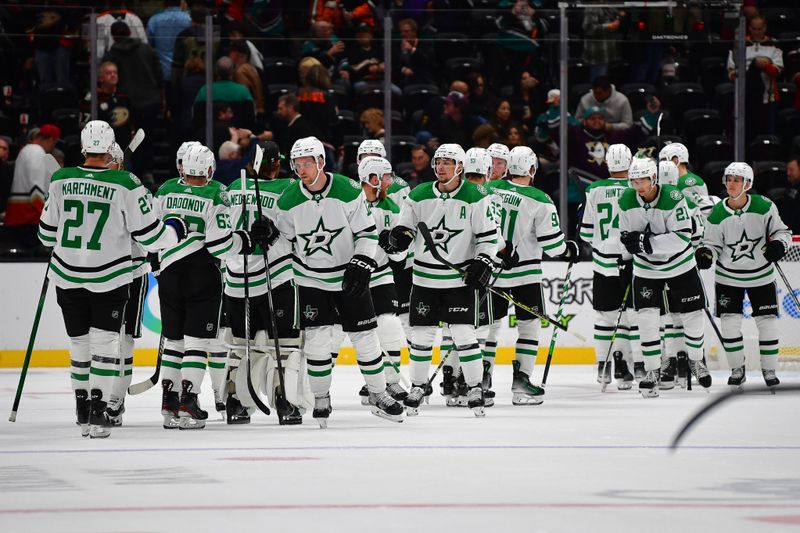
(13, 416)
(138, 388)
(137, 140)
(257, 161)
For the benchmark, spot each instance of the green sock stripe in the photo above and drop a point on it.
(467, 358)
(421, 358)
(319, 373)
(170, 364)
(372, 372)
(698, 345)
(219, 366)
(193, 364)
(769, 352)
(103, 372)
(79, 377)
(651, 353)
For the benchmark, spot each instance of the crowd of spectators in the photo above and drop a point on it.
(470, 72)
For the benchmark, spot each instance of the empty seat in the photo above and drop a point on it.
(711, 148)
(679, 97)
(576, 92)
(346, 123)
(637, 94)
(788, 123)
(459, 68)
(404, 169)
(453, 44)
(68, 119)
(619, 72)
(280, 70)
(350, 145)
(713, 71)
(401, 147)
(54, 96)
(417, 96)
(712, 175)
(764, 148)
(724, 96)
(768, 175)
(788, 91)
(372, 96)
(697, 122)
(578, 71)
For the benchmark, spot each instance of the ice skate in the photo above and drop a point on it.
(523, 392)
(682, 377)
(669, 369)
(414, 399)
(363, 394)
(288, 414)
(486, 384)
(621, 373)
(475, 401)
(737, 379)
(219, 404)
(604, 372)
(447, 386)
(649, 385)
(99, 425)
(322, 410)
(82, 408)
(235, 412)
(397, 391)
(460, 391)
(170, 403)
(192, 416)
(638, 371)
(770, 379)
(384, 406)
(115, 409)
(700, 371)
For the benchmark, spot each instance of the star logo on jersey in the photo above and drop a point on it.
(441, 235)
(422, 309)
(319, 238)
(744, 248)
(310, 312)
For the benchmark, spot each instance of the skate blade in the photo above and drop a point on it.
(99, 432)
(383, 414)
(412, 411)
(488, 402)
(524, 399)
(479, 412)
(681, 383)
(452, 401)
(649, 393)
(233, 421)
(666, 386)
(84, 430)
(323, 423)
(365, 400)
(290, 420)
(603, 387)
(624, 385)
(171, 422)
(188, 422)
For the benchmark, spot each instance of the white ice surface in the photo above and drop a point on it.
(582, 461)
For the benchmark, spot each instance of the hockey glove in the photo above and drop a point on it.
(774, 251)
(357, 274)
(248, 244)
(625, 271)
(264, 232)
(572, 253)
(704, 257)
(508, 256)
(636, 242)
(477, 274)
(178, 225)
(396, 240)
(155, 263)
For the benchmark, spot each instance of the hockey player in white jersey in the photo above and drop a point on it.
(89, 218)
(396, 187)
(745, 235)
(499, 155)
(459, 216)
(371, 173)
(529, 223)
(325, 218)
(600, 228)
(656, 230)
(690, 184)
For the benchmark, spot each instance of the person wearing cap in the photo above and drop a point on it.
(30, 184)
(456, 124)
(615, 104)
(364, 61)
(547, 125)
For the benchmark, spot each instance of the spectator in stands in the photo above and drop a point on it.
(365, 60)
(234, 155)
(372, 122)
(6, 174)
(191, 42)
(5, 148)
(194, 77)
(113, 105)
(456, 124)
(763, 63)
(224, 89)
(162, 30)
(652, 112)
(527, 101)
(140, 75)
(547, 126)
(342, 15)
(483, 136)
(480, 103)
(297, 126)
(236, 32)
(589, 140)
(501, 119)
(421, 163)
(246, 74)
(59, 156)
(52, 49)
(514, 137)
(413, 60)
(617, 108)
(30, 185)
(787, 199)
(324, 46)
(316, 103)
(117, 13)
(601, 27)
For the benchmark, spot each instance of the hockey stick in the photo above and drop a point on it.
(428, 238)
(622, 308)
(272, 325)
(724, 397)
(138, 388)
(786, 282)
(708, 313)
(253, 394)
(137, 139)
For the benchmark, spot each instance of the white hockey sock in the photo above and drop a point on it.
(448, 346)
(732, 340)
(604, 323)
(650, 334)
(122, 383)
(171, 359)
(370, 358)
(406, 328)
(337, 339)
(105, 360)
(768, 341)
(469, 352)
(693, 333)
(527, 345)
(490, 352)
(633, 335)
(217, 370)
(673, 335)
(80, 361)
(392, 338)
(193, 366)
(317, 350)
(421, 353)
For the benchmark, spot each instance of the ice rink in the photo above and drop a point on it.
(582, 461)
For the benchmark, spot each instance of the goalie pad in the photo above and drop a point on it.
(258, 370)
(298, 391)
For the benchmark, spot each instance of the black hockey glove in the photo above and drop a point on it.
(357, 274)
(264, 232)
(704, 257)
(508, 257)
(774, 251)
(396, 240)
(179, 226)
(477, 274)
(625, 271)
(636, 242)
(572, 253)
(248, 244)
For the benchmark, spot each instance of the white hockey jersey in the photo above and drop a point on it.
(737, 237)
(90, 216)
(600, 224)
(386, 214)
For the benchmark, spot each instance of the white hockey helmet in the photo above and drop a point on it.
(370, 147)
(306, 147)
(498, 150)
(97, 137)
(199, 162)
(182, 149)
(618, 158)
(667, 173)
(671, 150)
(643, 167)
(449, 151)
(373, 166)
(520, 161)
(739, 169)
(117, 155)
(477, 161)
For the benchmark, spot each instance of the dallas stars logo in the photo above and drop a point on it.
(310, 312)
(319, 238)
(744, 248)
(441, 235)
(647, 293)
(422, 309)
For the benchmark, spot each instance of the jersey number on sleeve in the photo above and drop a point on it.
(76, 211)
